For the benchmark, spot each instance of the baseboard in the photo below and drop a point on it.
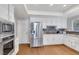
(71, 49)
(24, 43)
(53, 44)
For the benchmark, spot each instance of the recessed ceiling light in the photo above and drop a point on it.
(65, 5)
(51, 4)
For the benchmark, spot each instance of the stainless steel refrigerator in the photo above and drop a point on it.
(36, 35)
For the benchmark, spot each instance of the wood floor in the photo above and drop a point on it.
(46, 50)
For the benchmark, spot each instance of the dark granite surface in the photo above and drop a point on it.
(72, 32)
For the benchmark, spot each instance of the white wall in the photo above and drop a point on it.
(22, 31)
(58, 21)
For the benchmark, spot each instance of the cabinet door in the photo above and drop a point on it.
(65, 39)
(50, 40)
(4, 11)
(72, 42)
(76, 44)
(11, 13)
(53, 39)
(68, 41)
(59, 39)
(0, 40)
(1, 49)
(45, 39)
(16, 46)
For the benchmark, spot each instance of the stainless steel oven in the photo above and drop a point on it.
(8, 48)
(6, 38)
(7, 45)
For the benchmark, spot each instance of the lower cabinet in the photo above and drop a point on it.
(72, 42)
(75, 44)
(52, 39)
(69, 40)
(1, 50)
(16, 46)
(47, 39)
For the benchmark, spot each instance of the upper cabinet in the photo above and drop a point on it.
(11, 13)
(69, 24)
(76, 25)
(73, 24)
(7, 12)
(4, 11)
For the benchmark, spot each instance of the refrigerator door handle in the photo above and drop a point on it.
(33, 32)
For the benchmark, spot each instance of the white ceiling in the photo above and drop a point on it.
(21, 10)
(53, 8)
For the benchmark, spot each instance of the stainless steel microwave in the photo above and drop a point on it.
(6, 27)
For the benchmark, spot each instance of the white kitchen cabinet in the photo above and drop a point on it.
(16, 46)
(52, 39)
(59, 39)
(76, 43)
(11, 13)
(1, 49)
(4, 11)
(67, 40)
(72, 41)
(47, 39)
(7, 12)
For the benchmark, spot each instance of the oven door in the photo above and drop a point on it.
(8, 47)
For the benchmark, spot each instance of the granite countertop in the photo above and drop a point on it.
(72, 32)
(52, 34)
